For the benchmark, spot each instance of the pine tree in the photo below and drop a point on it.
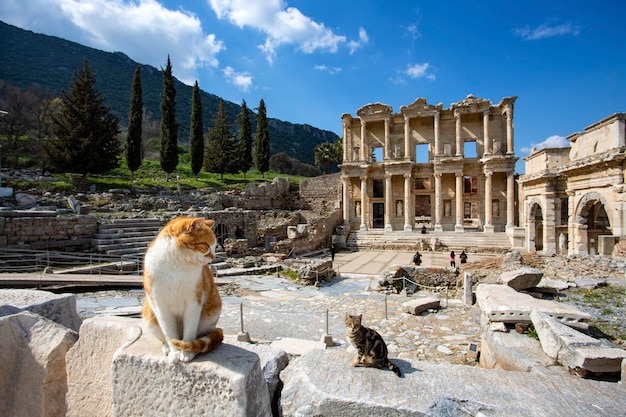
(262, 141)
(84, 132)
(196, 140)
(220, 152)
(244, 146)
(135, 122)
(169, 128)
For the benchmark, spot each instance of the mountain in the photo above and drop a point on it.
(28, 58)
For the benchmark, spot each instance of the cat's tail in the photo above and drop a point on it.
(394, 368)
(201, 345)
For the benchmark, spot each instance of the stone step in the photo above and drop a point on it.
(119, 240)
(125, 234)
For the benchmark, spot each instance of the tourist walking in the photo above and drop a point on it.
(332, 252)
(423, 229)
(452, 259)
(463, 257)
(417, 258)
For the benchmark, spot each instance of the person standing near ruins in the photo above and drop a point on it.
(417, 258)
(463, 257)
(332, 252)
(452, 259)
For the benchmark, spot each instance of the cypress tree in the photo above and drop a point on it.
(262, 141)
(221, 147)
(196, 140)
(135, 122)
(244, 146)
(84, 132)
(169, 128)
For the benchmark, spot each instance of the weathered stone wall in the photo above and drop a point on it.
(274, 195)
(321, 194)
(37, 230)
(234, 224)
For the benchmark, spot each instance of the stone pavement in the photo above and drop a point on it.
(274, 307)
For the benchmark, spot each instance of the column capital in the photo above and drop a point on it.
(488, 173)
(458, 174)
(363, 177)
(438, 175)
(388, 175)
(457, 113)
(437, 115)
(407, 176)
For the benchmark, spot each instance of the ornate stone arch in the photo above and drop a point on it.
(585, 203)
(586, 238)
(532, 208)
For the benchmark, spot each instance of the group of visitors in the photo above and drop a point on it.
(417, 258)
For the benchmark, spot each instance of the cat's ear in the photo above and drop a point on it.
(210, 222)
(195, 225)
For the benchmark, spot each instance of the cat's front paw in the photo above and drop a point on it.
(186, 356)
(356, 362)
(165, 349)
(176, 355)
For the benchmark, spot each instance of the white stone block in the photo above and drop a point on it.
(33, 380)
(503, 303)
(225, 382)
(89, 364)
(522, 279)
(418, 305)
(574, 349)
(60, 308)
(323, 383)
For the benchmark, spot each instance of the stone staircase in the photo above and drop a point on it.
(398, 240)
(126, 237)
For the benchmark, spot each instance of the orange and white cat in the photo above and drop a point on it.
(182, 303)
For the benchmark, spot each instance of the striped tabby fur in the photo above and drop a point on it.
(370, 346)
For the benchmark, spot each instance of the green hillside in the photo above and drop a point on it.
(27, 58)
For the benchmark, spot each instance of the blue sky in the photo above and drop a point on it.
(312, 61)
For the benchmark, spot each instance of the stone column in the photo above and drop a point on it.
(407, 137)
(509, 129)
(346, 199)
(437, 138)
(409, 219)
(459, 133)
(387, 153)
(364, 203)
(363, 133)
(510, 201)
(488, 228)
(486, 139)
(438, 203)
(389, 208)
(458, 227)
(346, 147)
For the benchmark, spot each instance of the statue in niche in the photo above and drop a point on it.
(357, 209)
(447, 208)
(398, 208)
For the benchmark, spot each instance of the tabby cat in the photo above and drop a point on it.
(370, 346)
(182, 303)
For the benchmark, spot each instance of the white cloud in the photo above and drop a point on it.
(243, 80)
(144, 30)
(545, 30)
(330, 70)
(363, 40)
(554, 141)
(419, 71)
(280, 24)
